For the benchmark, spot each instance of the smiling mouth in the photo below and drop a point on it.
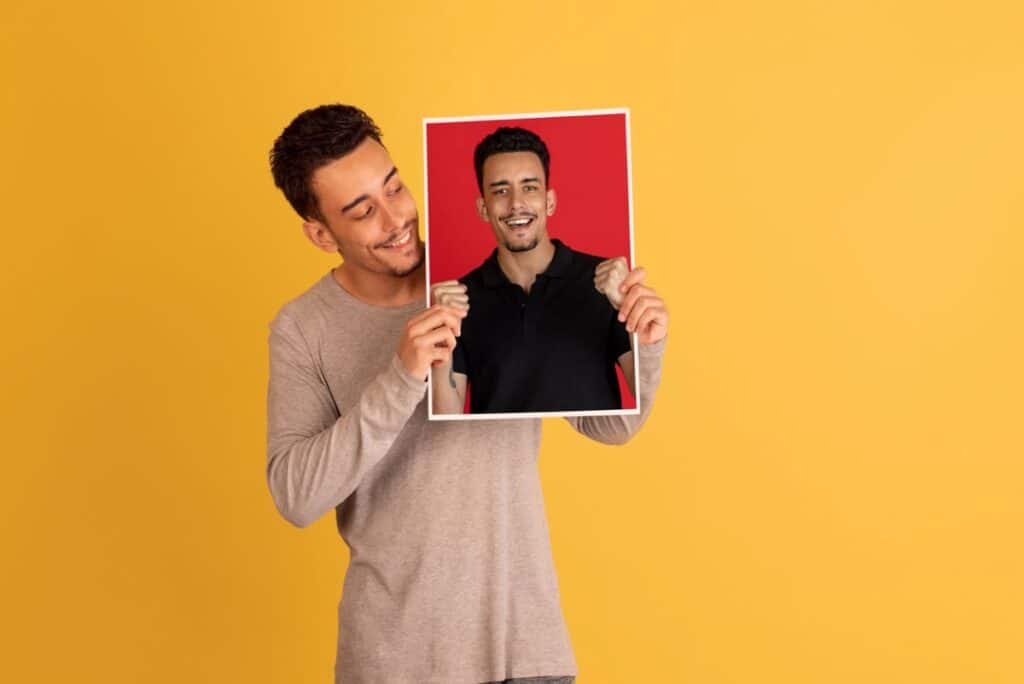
(518, 222)
(400, 241)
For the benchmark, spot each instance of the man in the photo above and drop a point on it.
(450, 577)
(543, 333)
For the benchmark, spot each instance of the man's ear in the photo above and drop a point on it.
(552, 201)
(319, 235)
(481, 209)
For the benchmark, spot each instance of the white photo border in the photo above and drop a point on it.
(632, 260)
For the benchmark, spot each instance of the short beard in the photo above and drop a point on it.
(523, 248)
(404, 272)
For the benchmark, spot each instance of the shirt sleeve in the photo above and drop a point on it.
(618, 429)
(316, 457)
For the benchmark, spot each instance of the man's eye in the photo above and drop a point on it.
(500, 191)
(395, 190)
(365, 214)
(530, 188)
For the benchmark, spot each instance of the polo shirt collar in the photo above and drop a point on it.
(493, 276)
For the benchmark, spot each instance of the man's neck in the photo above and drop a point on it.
(381, 289)
(522, 268)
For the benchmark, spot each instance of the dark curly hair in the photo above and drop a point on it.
(314, 138)
(510, 139)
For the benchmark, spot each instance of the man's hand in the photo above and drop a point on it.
(640, 307)
(609, 276)
(450, 293)
(429, 338)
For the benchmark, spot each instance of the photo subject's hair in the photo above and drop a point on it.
(510, 139)
(314, 138)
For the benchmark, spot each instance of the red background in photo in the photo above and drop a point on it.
(588, 173)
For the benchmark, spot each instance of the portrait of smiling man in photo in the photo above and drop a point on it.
(547, 324)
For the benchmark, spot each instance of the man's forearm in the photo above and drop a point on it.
(618, 429)
(315, 459)
(311, 474)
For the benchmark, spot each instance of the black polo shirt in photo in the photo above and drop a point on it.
(554, 349)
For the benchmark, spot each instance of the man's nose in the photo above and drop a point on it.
(392, 217)
(517, 199)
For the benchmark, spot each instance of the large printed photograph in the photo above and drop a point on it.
(529, 227)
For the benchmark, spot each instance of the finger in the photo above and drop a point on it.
(458, 313)
(611, 292)
(609, 280)
(422, 315)
(447, 341)
(641, 305)
(423, 319)
(434, 317)
(441, 350)
(633, 312)
(454, 300)
(613, 271)
(634, 293)
(635, 276)
(457, 288)
(648, 323)
(439, 293)
(450, 319)
(441, 336)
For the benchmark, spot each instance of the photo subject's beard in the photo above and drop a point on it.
(517, 238)
(522, 248)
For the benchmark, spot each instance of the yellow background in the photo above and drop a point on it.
(828, 195)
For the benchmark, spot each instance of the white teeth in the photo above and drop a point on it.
(400, 242)
(515, 223)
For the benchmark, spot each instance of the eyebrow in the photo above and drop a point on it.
(364, 196)
(501, 183)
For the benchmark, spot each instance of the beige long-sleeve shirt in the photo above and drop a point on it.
(451, 578)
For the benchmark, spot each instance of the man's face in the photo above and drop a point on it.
(369, 215)
(516, 201)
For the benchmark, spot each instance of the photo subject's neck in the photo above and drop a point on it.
(522, 268)
(382, 289)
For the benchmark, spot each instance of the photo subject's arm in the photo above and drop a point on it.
(628, 368)
(448, 388)
(315, 459)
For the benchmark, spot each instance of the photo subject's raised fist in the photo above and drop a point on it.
(608, 278)
(449, 293)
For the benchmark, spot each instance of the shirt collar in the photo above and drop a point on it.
(493, 276)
